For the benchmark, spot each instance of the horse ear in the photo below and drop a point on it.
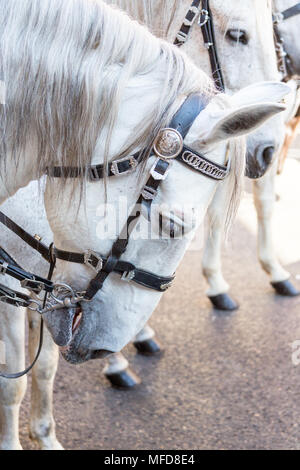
(261, 92)
(241, 121)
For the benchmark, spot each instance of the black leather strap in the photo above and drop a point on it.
(28, 369)
(201, 164)
(126, 269)
(185, 116)
(120, 245)
(290, 12)
(33, 242)
(28, 280)
(182, 121)
(12, 297)
(208, 32)
(187, 24)
(97, 172)
(285, 64)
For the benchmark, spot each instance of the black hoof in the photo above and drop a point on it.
(149, 347)
(124, 379)
(224, 302)
(285, 288)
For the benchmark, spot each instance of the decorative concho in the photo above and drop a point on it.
(168, 144)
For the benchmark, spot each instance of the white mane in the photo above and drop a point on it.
(66, 72)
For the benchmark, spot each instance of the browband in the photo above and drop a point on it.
(181, 122)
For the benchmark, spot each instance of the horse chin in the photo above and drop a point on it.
(78, 356)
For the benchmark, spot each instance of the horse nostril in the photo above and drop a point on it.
(268, 155)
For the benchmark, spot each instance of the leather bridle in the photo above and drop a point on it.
(57, 295)
(284, 60)
(168, 147)
(200, 9)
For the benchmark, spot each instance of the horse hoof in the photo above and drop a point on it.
(125, 379)
(285, 288)
(224, 302)
(148, 347)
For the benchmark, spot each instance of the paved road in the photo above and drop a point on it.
(224, 382)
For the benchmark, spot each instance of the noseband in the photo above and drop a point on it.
(284, 60)
(168, 148)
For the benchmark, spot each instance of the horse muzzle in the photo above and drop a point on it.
(258, 165)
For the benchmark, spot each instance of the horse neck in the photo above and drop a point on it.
(15, 176)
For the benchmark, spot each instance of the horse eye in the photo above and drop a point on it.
(237, 35)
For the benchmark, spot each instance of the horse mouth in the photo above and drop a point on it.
(76, 320)
(67, 329)
(75, 326)
(64, 324)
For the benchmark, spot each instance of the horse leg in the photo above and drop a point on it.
(211, 260)
(118, 372)
(146, 343)
(264, 197)
(42, 425)
(12, 334)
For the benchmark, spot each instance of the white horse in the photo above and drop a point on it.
(244, 34)
(264, 196)
(85, 85)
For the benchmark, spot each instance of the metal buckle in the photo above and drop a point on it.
(93, 173)
(115, 166)
(149, 193)
(158, 176)
(278, 17)
(204, 13)
(166, 286)
(128, 276)
(3, 268)
(93, 260)
(194, 11)
(39, 285)
(17, 301)
(181, 37)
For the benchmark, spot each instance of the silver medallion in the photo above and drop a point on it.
(168, 144)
